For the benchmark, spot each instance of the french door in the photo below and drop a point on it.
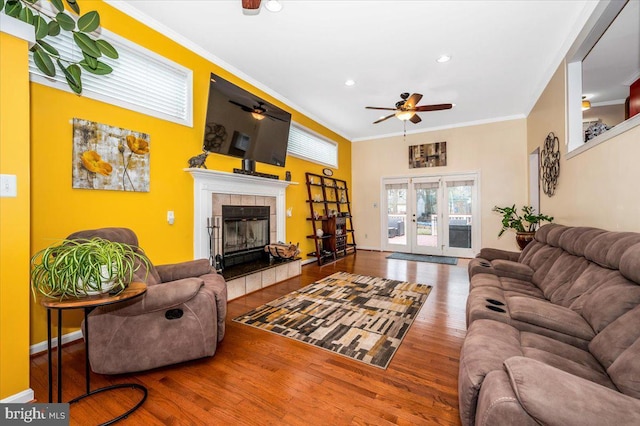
(436, 215)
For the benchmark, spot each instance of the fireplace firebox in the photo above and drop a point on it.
(245, 232)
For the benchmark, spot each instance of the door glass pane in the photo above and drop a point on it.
(396, 213)
(460, 208)
(427, 214)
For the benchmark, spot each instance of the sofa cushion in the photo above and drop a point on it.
(616, 338)
(555, 397)
(507, 268)
(610, 301)
(575, 239)
(630, 263)
(561, 276)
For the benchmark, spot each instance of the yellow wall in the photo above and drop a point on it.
(597, 187)
(14, 217)
(59, 210)
(496, 151)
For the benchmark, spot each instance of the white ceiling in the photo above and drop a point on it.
(503, 54)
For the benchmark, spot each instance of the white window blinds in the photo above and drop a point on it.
(141, 80)
(308, 146)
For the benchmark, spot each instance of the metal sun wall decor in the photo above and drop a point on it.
(108, 157)
(550, 164)
(428, 155)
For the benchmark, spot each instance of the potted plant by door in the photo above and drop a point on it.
(524, 224)
(84, 267)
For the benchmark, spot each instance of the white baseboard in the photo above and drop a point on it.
(369, 248)
(20, 397)
(308, 261)
(66, 338)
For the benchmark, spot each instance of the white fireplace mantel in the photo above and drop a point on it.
(207, 182)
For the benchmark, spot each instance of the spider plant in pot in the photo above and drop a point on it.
(524, 224)
(84, 267)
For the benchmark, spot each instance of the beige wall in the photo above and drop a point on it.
(596, 188)
(496, 151)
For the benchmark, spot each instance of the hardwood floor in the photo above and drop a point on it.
(258, 378)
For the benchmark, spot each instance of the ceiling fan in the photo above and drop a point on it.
(259, 112)
(252, 7)
(406, 108)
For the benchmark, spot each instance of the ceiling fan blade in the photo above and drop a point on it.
(412, 101)
(383, 118)
(436, 107)
(415, 119)
(244, 107)
(381, 108)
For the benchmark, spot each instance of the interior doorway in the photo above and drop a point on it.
(436, 215)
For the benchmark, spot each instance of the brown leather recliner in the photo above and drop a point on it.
(181, 316)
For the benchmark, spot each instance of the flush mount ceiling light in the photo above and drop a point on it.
(585, 103)
(273, 6)
(350, 82)
(443, 58)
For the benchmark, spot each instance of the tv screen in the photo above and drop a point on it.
(242, 125)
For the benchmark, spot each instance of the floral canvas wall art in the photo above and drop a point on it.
(108, 157)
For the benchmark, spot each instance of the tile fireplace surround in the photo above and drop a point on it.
(211, 190)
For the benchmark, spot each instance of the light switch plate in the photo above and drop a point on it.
(8, 186)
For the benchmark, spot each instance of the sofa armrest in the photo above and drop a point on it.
(511, 269)
(178, 271)
(554, 397)
(159, 297)
(494, 254)
(547, 315)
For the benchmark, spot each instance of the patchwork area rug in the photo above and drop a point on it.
(424, 258)
(361, 317)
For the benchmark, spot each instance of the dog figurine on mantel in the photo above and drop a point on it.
(198, 160)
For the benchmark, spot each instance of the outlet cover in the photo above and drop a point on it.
(8, 186)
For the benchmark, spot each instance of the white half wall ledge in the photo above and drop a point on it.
(207, 182)
(17, 28)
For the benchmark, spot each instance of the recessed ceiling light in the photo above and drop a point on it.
(350, 82)
(273, 6)
(444, 58)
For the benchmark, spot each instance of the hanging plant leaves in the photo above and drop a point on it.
(74, 6)
(89, 22)
(26, 15)
(43, 61)
(1, 4)
(87, 45)
(58, 5)
(66, 22)
(41, 27)
(89, 62)
(13, 9)
(72, 74)
(54, 28)
(100, 69)
(107, 49)
(49, 48)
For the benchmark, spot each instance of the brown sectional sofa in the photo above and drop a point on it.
(554, 332)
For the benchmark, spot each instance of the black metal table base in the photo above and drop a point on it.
(112, 387)
(89, 392)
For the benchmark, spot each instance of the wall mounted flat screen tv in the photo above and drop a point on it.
(243, 125)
